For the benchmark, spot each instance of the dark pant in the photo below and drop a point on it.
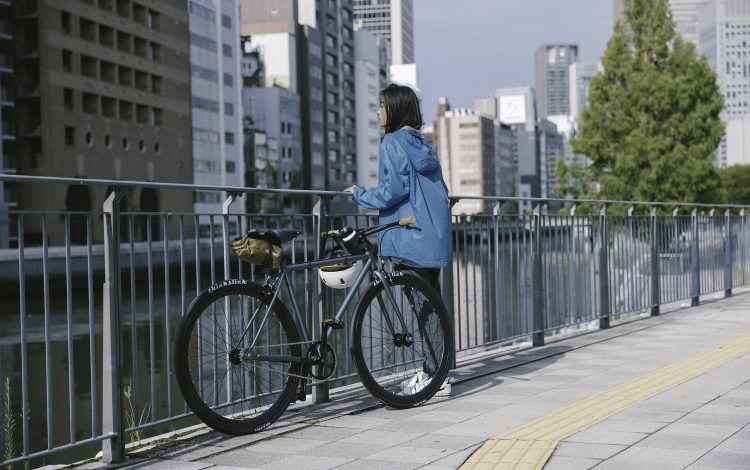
(431, 275)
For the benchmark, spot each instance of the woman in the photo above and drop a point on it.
(410, 182)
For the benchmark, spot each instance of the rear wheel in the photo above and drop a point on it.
(231, 393)
(402, 361)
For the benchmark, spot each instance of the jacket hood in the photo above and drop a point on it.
(422, 156)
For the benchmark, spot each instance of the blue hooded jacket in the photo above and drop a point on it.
(410, 183)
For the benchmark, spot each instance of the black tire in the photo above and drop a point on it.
(259, 392)
(386, 362)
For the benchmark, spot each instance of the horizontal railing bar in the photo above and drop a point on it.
(329, 194)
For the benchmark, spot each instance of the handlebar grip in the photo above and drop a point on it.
(407, 221)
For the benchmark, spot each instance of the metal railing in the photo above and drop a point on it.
(91, 299)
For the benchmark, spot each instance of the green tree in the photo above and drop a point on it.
(652, 121)
(736, 183)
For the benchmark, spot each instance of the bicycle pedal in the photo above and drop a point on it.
(335, 324)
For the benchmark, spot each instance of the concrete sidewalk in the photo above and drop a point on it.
(700, 424)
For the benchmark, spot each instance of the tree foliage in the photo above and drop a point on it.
(652, 123)
(735, 181)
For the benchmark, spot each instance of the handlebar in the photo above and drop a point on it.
(405, 222)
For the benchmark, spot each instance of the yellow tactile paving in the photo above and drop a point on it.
(530, 446)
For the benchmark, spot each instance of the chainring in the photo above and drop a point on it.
(324, 369)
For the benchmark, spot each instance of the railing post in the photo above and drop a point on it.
(113, 448)
(538, 295)
(741, 240)
(446, 291)
(728, 253)
(695, 267)
(603, 271)
(496, 315)
(655, 267)
(320, 392)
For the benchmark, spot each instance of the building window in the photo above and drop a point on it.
(90, 103)
(156, 84)
(228, 79)
(226, 50)
(229, 138)
(154, 19)
(228, 109)
(87, 29)
(65, 22)
(68, 98)
(67, 60)
(154, 52)
(70, 136)
(203, 12)
(226, 21)
(230, 167)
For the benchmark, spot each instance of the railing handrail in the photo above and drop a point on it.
(322, 193)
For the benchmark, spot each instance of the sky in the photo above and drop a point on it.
(465, 49)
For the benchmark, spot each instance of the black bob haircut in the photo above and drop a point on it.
(401, 108)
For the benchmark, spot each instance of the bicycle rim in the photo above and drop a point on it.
(403, 370)
(229, 393)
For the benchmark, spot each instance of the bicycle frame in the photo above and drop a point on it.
(370, 268)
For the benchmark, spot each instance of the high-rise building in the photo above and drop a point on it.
(393, 20)
(684, 14)
(467, 155)
(552, 80)
(725, 41)
(505, 146)
(551, 149)
(581, 74)
(275, 113)
(320, 56)
(370, 74)
(216, 102)
(516, 107)
(8, 198)
(101, 90)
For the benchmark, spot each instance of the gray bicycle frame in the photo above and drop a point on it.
(371, 266)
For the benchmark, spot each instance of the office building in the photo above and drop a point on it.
(581, 74)
(725, 42)
(216, 88)
(393, 20)
(370, 75)
(552, 79)
(319, 55)
(684, 14)
(101, 90)
(467, 156)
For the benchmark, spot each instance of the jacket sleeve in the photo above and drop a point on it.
(391, 188)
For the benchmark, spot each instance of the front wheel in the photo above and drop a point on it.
(402, 359)
(219, 375)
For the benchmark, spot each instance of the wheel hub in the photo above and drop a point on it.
(403, 339)
(235, 357)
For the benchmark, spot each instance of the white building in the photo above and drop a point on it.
(216, 102)
(725, 41)
(467, 156)
(684, 13)
(404, 74)
(393, 20)
(581, 74)
(369, 73)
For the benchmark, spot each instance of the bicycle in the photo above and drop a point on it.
(240, 362)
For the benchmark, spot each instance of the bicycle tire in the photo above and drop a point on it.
(271, 387)
(376, 356)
